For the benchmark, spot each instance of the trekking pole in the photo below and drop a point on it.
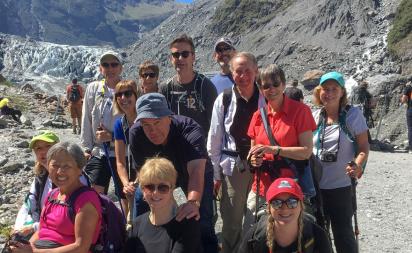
(257, 169)
(116, 186)
(354, 183)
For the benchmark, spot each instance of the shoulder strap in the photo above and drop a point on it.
(273, 141)
(342, 123)
(125, 127)
(72, 200)
(227, 98)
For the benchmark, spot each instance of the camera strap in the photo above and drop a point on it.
(273, 141)
(323, 129)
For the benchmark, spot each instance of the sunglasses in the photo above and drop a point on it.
(184, 54)
(160, 188)
(112, 64)
(223, 49)
(151, 75)
(127, 94)
(291, 203)
(267, 86)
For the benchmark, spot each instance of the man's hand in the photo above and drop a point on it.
(103, 135)
(129, 189)
(353, 170)
(188, 211)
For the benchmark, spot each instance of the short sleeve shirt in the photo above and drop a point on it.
(118, 130)
(185, 143)
(334, 173)
(286, 125)
(56, 225)
(222, 82)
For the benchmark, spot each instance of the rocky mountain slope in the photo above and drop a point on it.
(84, 22)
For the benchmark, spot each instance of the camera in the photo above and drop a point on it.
(328, 156)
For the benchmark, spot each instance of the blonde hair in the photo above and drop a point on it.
(129, 84)
(318, 102)
(157, 169)
(270, 230)
(39, 169)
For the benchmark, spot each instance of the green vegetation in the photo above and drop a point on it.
(238, 16)
(6, 83)
(5, 230)
(16, 100)
(402, 25)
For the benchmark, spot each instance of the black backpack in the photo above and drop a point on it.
(74, 93)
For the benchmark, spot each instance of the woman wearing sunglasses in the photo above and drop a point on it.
(285, 227)
(341, 143)
(125, 97)
(158, 230)
(291, 124)
(149, 76)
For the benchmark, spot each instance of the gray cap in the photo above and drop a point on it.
(224, 40)
(152, 106)
(111, 54)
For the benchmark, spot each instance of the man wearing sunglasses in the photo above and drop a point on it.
(180, 139)
(224, 51)
(189, 93)
(98, 121)
(148, 77)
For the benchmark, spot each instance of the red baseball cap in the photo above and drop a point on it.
(284, 185)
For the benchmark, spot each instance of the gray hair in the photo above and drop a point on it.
(248, 56)
(71, 149)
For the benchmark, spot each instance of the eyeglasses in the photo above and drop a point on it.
(112, 64)
(267, 86)
(151, 75)
(184, 54)
(127, 94)
(223, 49)
(291, 203)
(160, 188)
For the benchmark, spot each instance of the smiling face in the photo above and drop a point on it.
(224, 54)
(273, 90)
(182, 64)
(40, 149)
(156, 130)
(64, 171)
(244, 72)
(158, 199)
(148, 81)
(331, 93)
(126, 101)
(285, 215)
(111, 69)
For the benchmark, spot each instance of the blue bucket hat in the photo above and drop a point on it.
(336, 76)
(152, 106)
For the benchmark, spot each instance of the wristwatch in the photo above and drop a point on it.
(196, 202)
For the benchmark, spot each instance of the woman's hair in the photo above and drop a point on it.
(270, 233)
(157, 169)
(318, 102)
(124, 84)
(148, 65)
(272, 72)
(39, 169)
(248, 56)
(71, 149)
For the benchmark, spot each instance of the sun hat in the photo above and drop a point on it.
(152, 106)
(108, 54)
(336, 76)
(47, 136)
(284, 185)
(224, 40)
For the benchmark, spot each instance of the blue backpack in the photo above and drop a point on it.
(112, 234)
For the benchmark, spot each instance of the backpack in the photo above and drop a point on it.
(112, 234)
(74, 93)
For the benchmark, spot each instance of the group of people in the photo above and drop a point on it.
(236, 138)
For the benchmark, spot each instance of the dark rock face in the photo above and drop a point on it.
(83, 22)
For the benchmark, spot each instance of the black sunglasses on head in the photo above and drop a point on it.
(127, 94)
(112, 64)
(151, 75)
(161, 188)
(223, 49)
(184, 54)
(267, 86)
(291, 203)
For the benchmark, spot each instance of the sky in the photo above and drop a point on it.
(184, 1)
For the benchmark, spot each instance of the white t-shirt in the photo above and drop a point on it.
(334, 173)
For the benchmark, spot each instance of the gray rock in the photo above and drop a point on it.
(22, 144)
(3, 123)
(12, 167)
(25, 121)
(3, 161)
(30, 163)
